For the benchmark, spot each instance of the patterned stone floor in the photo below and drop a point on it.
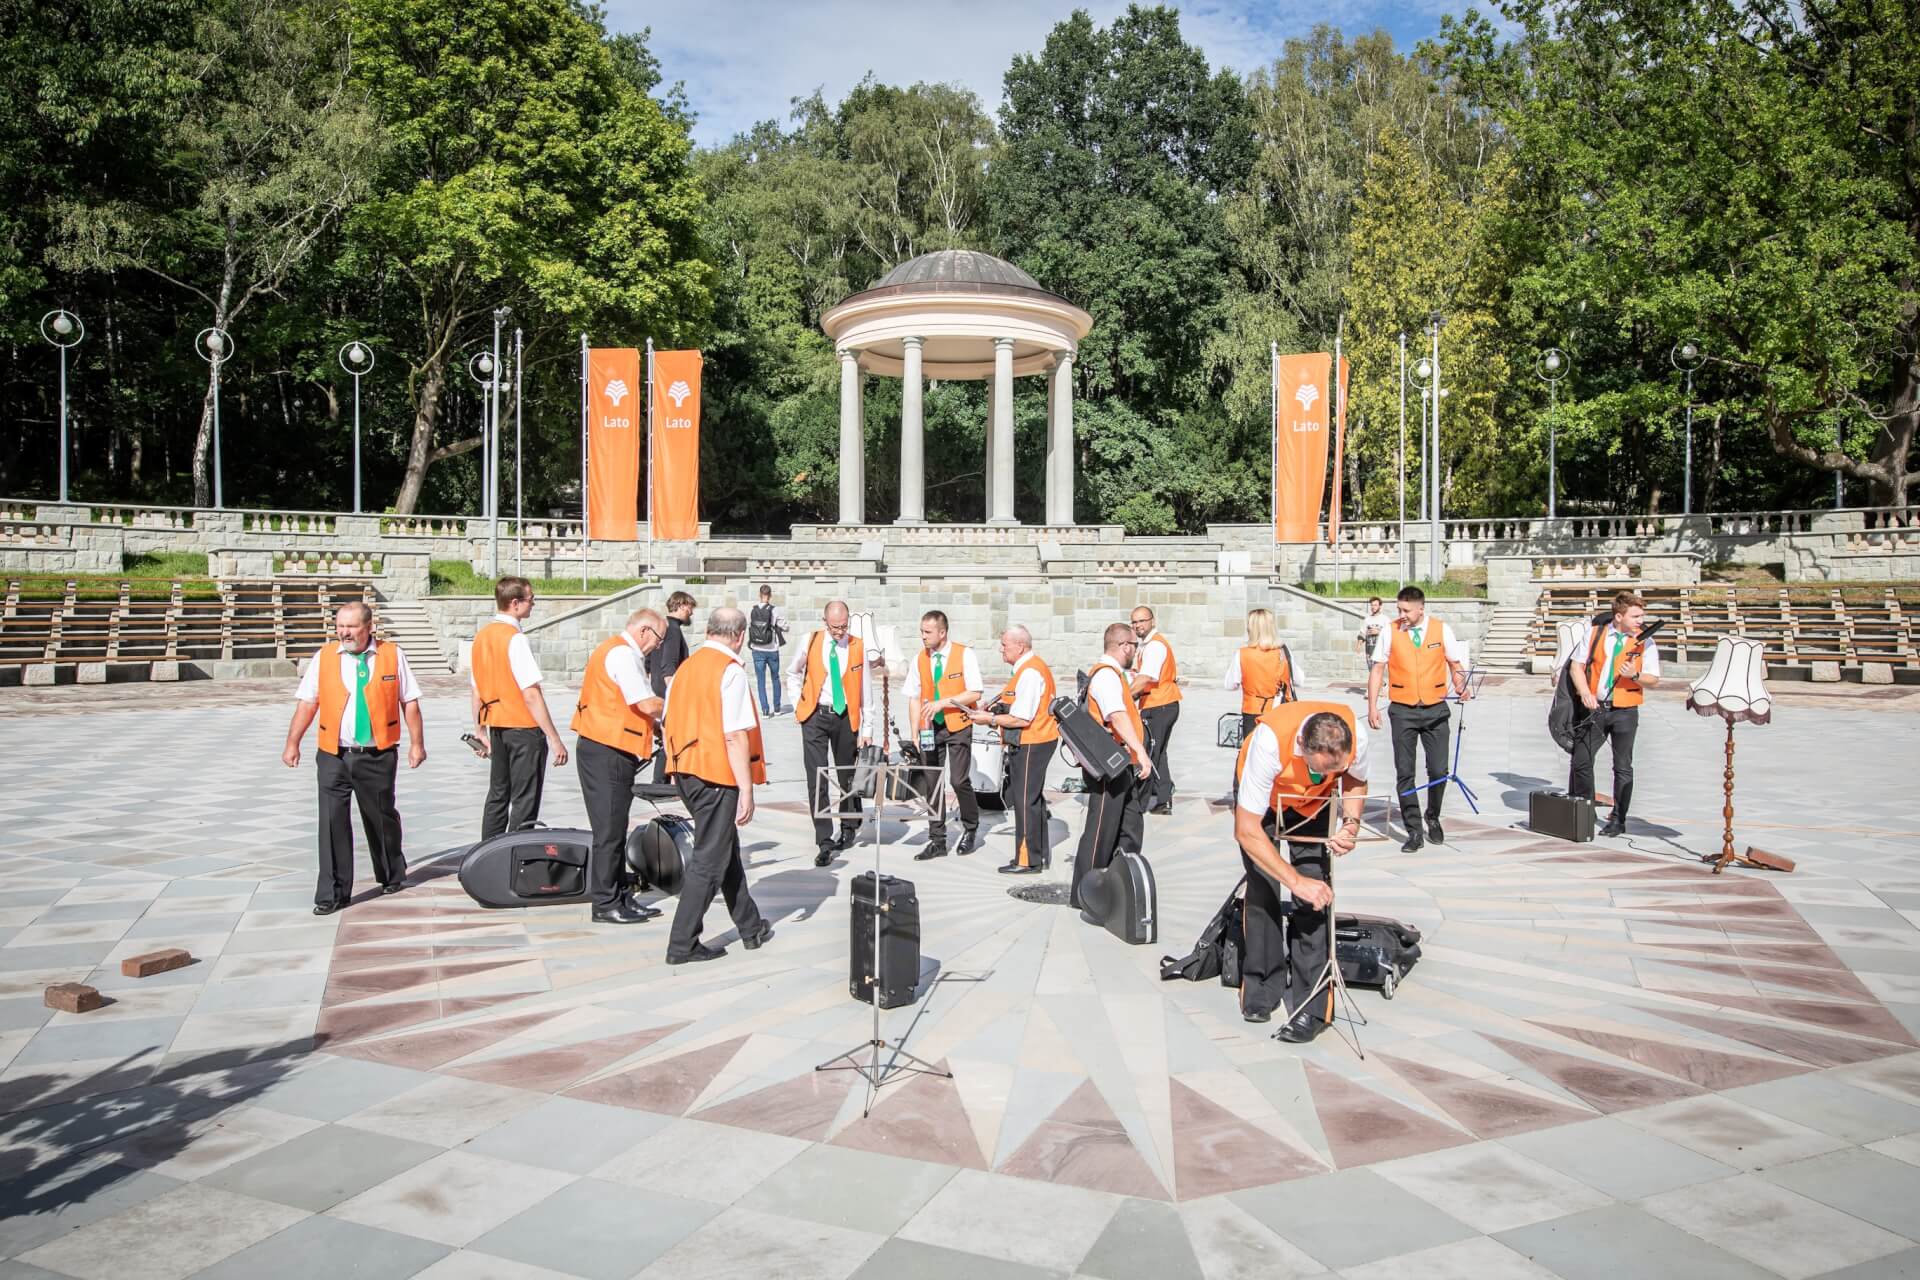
(1608, 1063)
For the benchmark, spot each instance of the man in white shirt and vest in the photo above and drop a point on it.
(1156, 688)
(1416, 657)
(944, 684)
(1113, 804)
(510, 715)
(617, 720)
(1026, 725)
(360, 690)
(828, 683)
(1612, 667)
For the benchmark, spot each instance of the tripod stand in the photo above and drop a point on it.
(1473, 682)
(1329, 980)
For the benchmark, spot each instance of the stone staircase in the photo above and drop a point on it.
(1506, 646)
(405, 622)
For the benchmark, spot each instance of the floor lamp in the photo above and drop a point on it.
(1735, 689)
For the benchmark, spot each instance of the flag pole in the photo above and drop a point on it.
(649, 455)
(1339, 402)
(585, 514)
(1273, 465)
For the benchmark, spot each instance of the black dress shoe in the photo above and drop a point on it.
(1614, 827)
(1302, 1030)
(845, 841)
(969, 841)
(1434, 831)
(619, 913)
(1256, 1015)
(932, 851)
(647, 912)
(759, 939)
(824, 857)
(395, 887)
(327, 908)
(1015, 869)
(1162, 811)
(701, 951)
(1414, 841)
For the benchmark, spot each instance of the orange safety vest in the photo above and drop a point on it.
(1293, 786)
(1417, 677)
(1044, 727)
(1265, 678)
(603, 714)
(696, 731)
(502, 704)
(383, 696)
(1101, 713)
(1166, 690)
(953, 683)
(1626, 693)
(815, 681)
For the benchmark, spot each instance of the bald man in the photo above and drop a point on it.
(1020, 712)
(617, 717)
(828, 685)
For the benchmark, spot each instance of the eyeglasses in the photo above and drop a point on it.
(656, 633)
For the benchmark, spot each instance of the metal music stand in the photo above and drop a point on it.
(1475, 678)
(1330, 976)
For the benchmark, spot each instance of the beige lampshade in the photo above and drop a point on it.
(1735, 686)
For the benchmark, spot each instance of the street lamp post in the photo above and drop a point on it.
(1686, 356)
(500, 316)
(357, 359)
(1403, 454)
(1427, 373)
(215, 346)
(484, 369)
(519, 397)
(1552, 366)
(63, 329)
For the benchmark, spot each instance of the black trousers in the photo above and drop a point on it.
(827, 737)
(1114, 821)
(517, 780)
(955, 750)
(1159, 722)
(1417, 728)
(366, 777)
(1287, 950)
(713, 865)
(606, 784)
(1610, 725)
(1027, 796)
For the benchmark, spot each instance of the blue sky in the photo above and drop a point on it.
(743, 60)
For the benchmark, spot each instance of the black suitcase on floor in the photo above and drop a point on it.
(657, 852)
(899, 941)
(1121, 895)
(1088, 740)
(1374, 952)
(1555, 813)
(528, 868)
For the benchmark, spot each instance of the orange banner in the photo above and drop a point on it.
(1301, 406)
(614, 412)
(1339, 456)
(676, 446)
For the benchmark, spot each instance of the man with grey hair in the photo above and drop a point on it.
(615, 717)
(1020, 711)
(360, 689)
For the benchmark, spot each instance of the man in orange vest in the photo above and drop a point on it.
(1612, 667)
(715, 758)
(510, 714)
(828, 684)
(360, 689)
(1290, 766)
(1113, 804)
(945, 683)
(1156, 688)
(1020, 712)
(1416, 658)
(615, 719)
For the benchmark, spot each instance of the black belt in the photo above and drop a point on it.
(364, 751)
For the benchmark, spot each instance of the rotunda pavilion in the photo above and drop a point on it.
(951, 316)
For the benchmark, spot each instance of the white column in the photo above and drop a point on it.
(913, 464)
(1060, 441)
(852, 443)
(987, 509)
(1000, 508)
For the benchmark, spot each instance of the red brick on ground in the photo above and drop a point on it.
(73, 997)
(145, 966)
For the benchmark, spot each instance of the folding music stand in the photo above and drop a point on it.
(1475, 678)
(1329, 976)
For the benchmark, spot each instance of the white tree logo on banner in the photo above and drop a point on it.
(616, 391)
(1306, 395)
(678, 393)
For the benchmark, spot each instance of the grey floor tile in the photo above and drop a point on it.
(28, 1219)
(897, 1259)
(329, 1088)
(1904, 1265)
(845, 1188)
(322, 1167)
(80, 1041)
(1866, 1184)
(66, 955)
(1830, 1105)
(1611, 1156)
(23, 1015)
(261, 993)
(568, 1135)
(1620, 1241)
(1347, 1218)
(1144, 1240)
(595, 1229)
(323, 1248)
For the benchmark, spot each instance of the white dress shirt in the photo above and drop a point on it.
(797, 671)
(969, 671)
(1263, 764)
(626, 667)
(1456, 647)
(526, 672)
(309, 690)
(1029, 687)
(1153, 655)
(1296, 674)
(736, 695)
(1108, 687)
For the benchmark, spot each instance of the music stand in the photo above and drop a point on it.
(1330, 975)
(1475, 678)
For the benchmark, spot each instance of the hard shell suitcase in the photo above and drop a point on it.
(1555, 813)
(1088, 739)
(1121, 895)
(1374, 952)
(657, 852)
(528, 868)
(899, 941)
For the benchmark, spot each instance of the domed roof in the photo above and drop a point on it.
(958, 266)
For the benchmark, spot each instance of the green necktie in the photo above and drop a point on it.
(1316, 778)
(1414, 633)
(1613, 665)
(939, 669)
(362, 720)
(833, 674)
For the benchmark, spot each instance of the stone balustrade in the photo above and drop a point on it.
(28, 533)
(1003, 535)
(287, 522)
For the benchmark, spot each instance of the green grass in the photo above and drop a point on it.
(165, 564)
(106, 586)
(457, 578)
(1387, 589)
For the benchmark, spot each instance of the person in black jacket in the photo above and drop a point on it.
(665, 660)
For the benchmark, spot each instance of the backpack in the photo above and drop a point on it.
(760, 628)
(1219, 950)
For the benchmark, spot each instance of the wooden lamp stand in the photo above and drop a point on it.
(1760, 859)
